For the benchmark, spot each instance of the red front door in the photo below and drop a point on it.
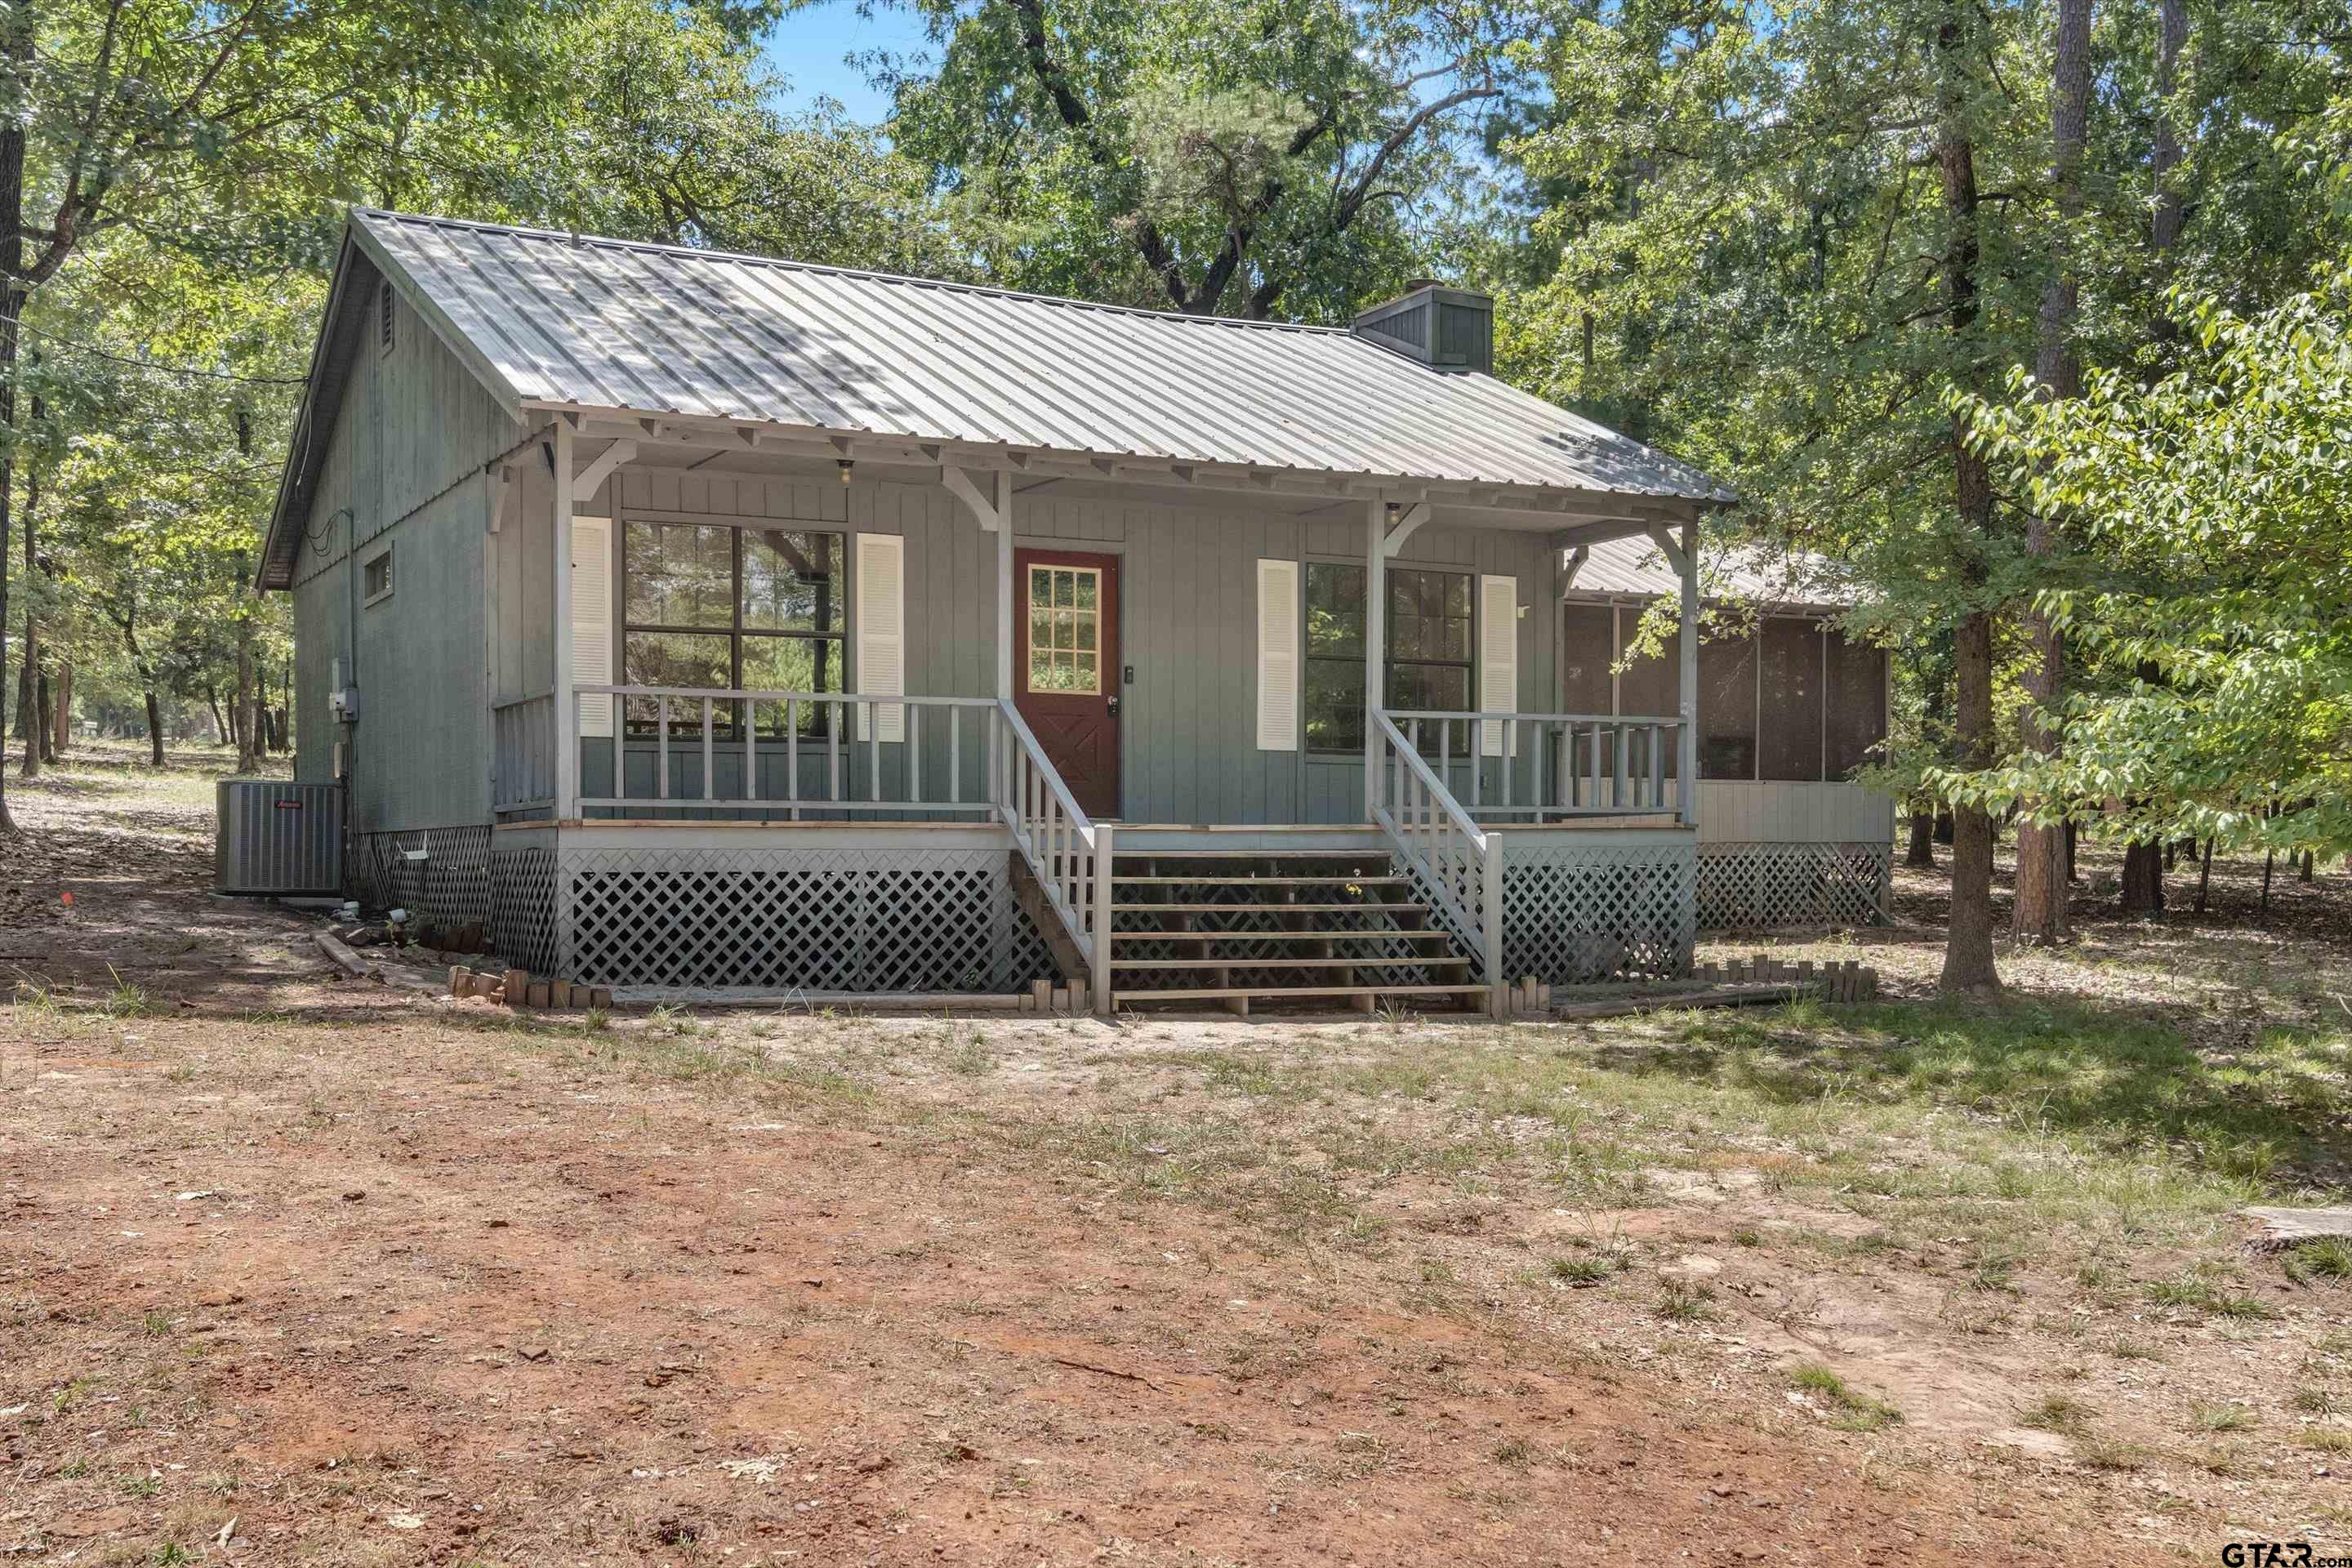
(1066, 664)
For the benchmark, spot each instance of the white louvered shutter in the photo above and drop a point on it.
(1277, 656)
(881, 630)
(1498, 657)
(592, 619)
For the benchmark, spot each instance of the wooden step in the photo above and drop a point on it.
(1121, 879)
(1374, 906)
(1119, 936)
(1427, 961)
(1231, 993)
(1250, 854)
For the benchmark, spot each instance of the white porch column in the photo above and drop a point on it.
(1686, 759)
(567, 739)
(1004, 686)
(1376, 602)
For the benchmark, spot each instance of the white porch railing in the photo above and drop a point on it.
(1534, 766)
(1542, 767)
(841, 765)
(860, 755)
(1457, 863)
(1068, 854)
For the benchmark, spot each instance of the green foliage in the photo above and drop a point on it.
(1748, 256)
(2218, 501)
(1252, 157)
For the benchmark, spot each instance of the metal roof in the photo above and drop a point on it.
(565, 321)
(1633, 567)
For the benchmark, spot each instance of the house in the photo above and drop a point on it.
(1789, 709)
(713, 625)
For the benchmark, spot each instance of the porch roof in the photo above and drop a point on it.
(553, 321)
(1798, 579)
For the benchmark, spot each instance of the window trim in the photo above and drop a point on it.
(734, 631)
(390, 580)
(1390, 663)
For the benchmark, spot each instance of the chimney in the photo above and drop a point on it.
(1441, 327)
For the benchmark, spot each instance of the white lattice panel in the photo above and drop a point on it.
(794, 920)
(1584, 915)
(449, 888)
(1773, 886)
(522, 907)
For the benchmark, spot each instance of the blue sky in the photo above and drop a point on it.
(810, 47)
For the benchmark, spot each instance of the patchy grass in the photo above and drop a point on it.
(1855, 1411)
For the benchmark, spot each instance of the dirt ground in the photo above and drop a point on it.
(299, 1270)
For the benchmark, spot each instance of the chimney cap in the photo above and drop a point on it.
(1436, 324)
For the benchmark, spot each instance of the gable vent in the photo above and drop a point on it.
(383, 318)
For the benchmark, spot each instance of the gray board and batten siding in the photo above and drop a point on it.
(1189, 597)
(403, 472)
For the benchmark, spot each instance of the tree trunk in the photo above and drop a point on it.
(2040, 915)
(18, 47)
(2308, 870)
(1967, 942)
(64, 731)
(1922, 840)
(220, 719)
(33, 714)
(2143, 888)
(154, 729)
(2205, 880)
(44, 718)
(2071, 875)
(248, 742)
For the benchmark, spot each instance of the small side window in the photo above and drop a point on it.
(376, 577)
(383, 318)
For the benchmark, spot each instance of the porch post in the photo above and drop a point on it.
(567, 739)
(1376, 602)
(1686, 760)
(1005, 688)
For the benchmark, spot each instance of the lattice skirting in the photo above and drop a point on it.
(1582, 916)
(449, 888)
(522, 907)
(1771, 887)
(792, 919)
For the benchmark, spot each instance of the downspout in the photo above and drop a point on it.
(344, 722)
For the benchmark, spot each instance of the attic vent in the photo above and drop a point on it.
(383, 319)
(1446, 329)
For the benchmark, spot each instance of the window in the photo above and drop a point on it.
(1428, 656)
(1335, 658)
(376, 577)
(704, 604)
(1066, 629)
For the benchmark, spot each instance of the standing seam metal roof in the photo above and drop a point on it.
(566, 319)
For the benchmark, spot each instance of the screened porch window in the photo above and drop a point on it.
(1428, 656)
(1785, 702)
(705, 605)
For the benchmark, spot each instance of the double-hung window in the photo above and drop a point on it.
(1428, 656)
(708, 605)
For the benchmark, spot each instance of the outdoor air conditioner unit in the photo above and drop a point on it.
(278, 837)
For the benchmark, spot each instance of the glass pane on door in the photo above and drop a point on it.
(1066, 630)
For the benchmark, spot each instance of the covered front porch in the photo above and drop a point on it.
(1061, 719)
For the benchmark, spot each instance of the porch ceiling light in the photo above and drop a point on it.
(846, 464)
